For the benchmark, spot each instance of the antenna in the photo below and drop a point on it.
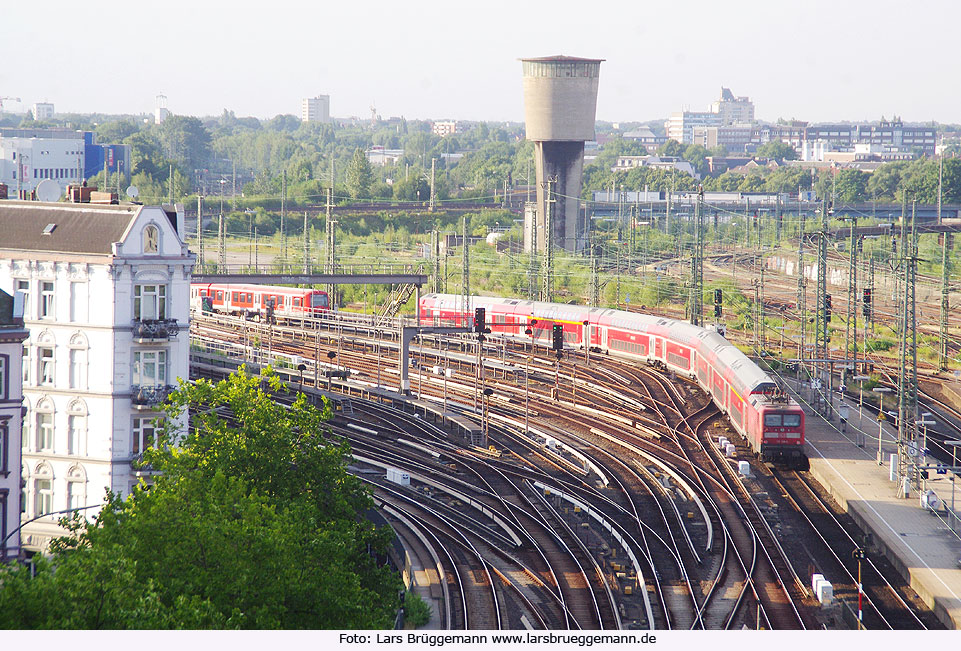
(373, 113)
(133, 192)
(48, 190)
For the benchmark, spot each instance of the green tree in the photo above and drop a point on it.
(777, 150)
(851, 185)
(670, 148)
(359, 176)
(253, 523)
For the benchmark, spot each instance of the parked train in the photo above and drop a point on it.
(769, 420)
(259, 301)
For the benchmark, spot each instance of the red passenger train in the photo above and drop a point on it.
(769, 420)
(258, 300)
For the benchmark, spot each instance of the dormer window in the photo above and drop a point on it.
(151, 239)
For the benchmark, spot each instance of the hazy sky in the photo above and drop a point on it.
(814, 60)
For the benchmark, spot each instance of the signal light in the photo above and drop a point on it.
(717, 311)
(827, 307)
(557, 337)
(718, 296)
(867, 295)
(480, 320)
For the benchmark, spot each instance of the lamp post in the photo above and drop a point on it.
(861, 379)
(587, 340)
(881, 417)
(954, 475)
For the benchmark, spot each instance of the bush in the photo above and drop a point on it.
(416, 610)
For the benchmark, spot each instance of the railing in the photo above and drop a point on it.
(155, 328)
(148, 397)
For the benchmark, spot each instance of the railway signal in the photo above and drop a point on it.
(718, 297)
(557, 337)
(866, 302)
(480, 320)
(827, 307)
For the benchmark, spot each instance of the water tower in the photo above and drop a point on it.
(560, 100)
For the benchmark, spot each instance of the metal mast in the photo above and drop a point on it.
(821, 322)
(435, 239)
(547, 287)
(465, 274)
(908, 380)
(306, 245)
(595, 283)
(283, 215)
(532, 265)
(200, 231)
(221, 245)
(851, 326)
(801, 285)
(945, 274)
(696, 299)
(331, 267)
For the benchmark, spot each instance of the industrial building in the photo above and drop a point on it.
(106, 298)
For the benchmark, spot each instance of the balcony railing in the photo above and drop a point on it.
(154, 329)
(149, 397)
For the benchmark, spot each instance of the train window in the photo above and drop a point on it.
(792, 420)
(220, 295)
(233, 296)
(318, 300)
(297, 301)
(772, 420)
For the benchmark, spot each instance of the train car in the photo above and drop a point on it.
(259, 301)
(769, 420)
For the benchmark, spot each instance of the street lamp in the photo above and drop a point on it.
(861, 379)
(954, 475)
(881, 417)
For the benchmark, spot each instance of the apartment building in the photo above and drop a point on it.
(106, 304)
(12, 335)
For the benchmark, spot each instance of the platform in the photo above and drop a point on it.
(917, 541)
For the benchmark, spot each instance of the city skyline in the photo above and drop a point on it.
(814, 61)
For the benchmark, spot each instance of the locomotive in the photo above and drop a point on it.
(769, 420)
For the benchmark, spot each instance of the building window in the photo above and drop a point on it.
(76, 430)
(78, 368)
(150, 368)
(46, 301)
(78, 302)
(44, 431)
(76, 488)
(3, 377)
(4, 448)
(151, 239)
(25, 427)
(24, 286)
(149, 302)
(43, 496)
(143, 435)
(25, 364)
(45, 365)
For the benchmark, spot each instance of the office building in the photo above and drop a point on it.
(315, 109)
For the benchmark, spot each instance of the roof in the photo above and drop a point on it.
(77, 227)
(562, 57)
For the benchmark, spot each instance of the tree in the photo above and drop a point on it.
(670, 148)
(359, 176)
(851, 185)
(777, 150)
(253, 523)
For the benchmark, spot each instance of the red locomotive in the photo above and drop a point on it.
(770, 421)
(259, 300)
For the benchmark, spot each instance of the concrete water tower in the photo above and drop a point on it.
(560, 100)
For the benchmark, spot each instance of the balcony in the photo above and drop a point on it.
(149, 397)
(148, 330)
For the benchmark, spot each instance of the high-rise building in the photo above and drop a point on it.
(560, 102)
(733, 110)
(106, 291)
(315, 109)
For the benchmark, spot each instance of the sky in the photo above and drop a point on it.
(815, 60)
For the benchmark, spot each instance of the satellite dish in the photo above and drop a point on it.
(48, 190)
(133, 192)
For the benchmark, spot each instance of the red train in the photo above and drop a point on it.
(770, 421)
(259, 300)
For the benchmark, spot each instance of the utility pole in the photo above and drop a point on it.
(331, 267)
(908, 444)
(851, 326)
(435, 240)
(821, 324)
(432, 161)
(777, 224)
(283, 215)
(465, 275)
(532, 264)
(222, 246)
(547, 288)
(801, 287)
(200, 230)
(945, 274)
(696, 299)
(595, 284)
(307, 246)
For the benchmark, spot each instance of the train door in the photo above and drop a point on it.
(657, 348)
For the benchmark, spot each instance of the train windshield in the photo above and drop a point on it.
(772, 420)
(318, 300)
(792, 420)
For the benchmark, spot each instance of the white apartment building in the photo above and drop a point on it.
(106, 292)
(12, 335)
(444, 128)
(315, 109)
(43, 111)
